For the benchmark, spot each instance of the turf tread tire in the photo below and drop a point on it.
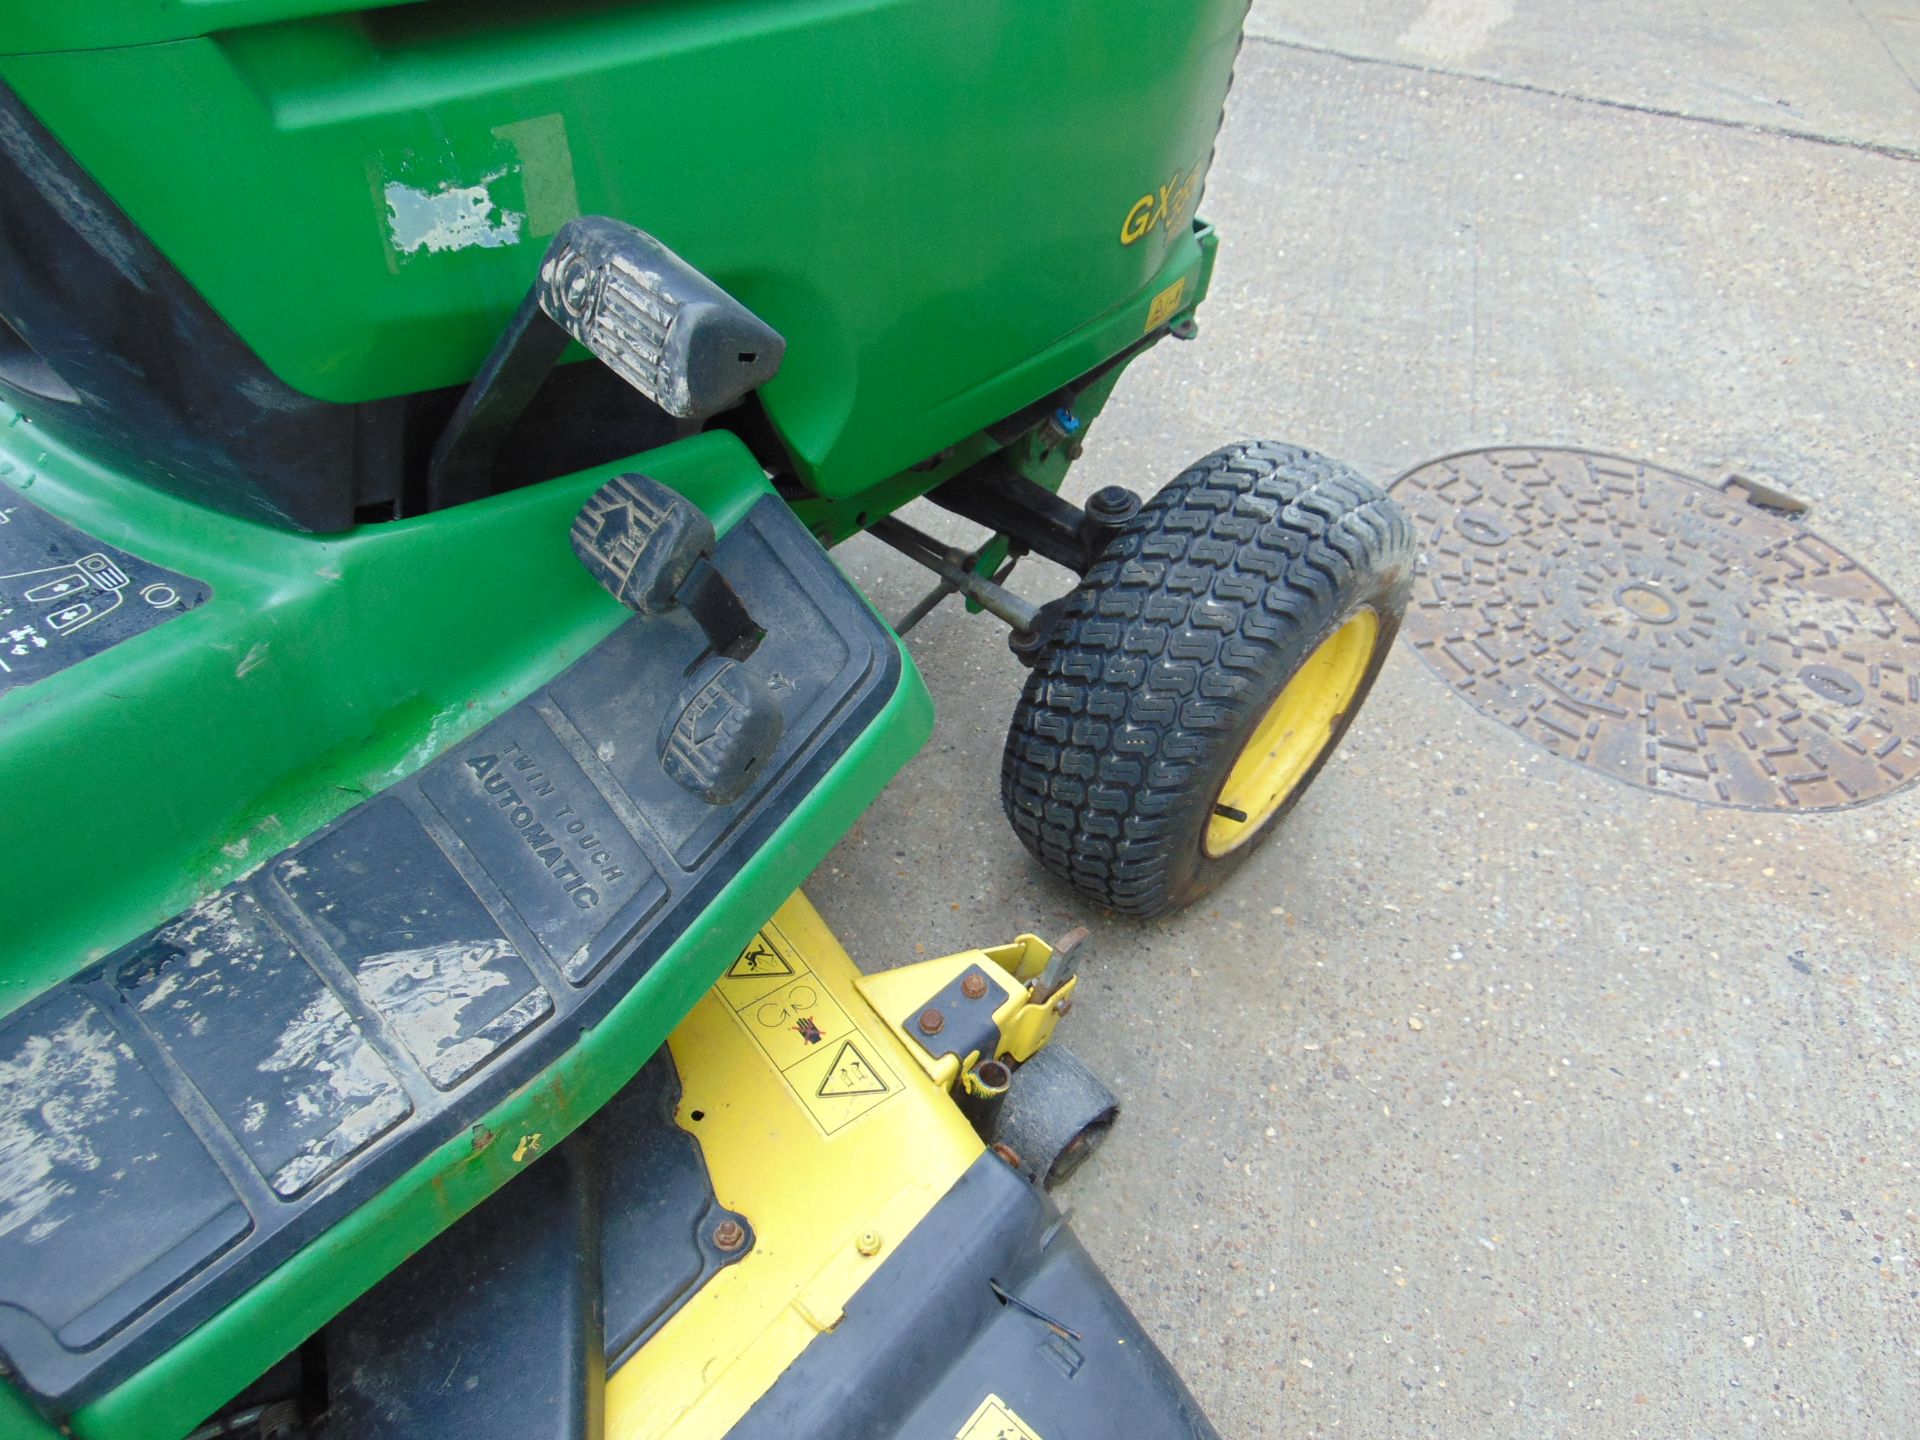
(1169, 651)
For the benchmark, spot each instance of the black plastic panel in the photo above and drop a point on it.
(423, 950)
(65, 596)
(530, 1300)
(260, 1035)
(99, 1175)
(295, 1042)
(658, 1210)
(494, 1329)
(926, 1340)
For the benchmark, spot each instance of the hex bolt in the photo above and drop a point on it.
(932, 1022)
(867, 1242)
(974, 986)
(729, 1235)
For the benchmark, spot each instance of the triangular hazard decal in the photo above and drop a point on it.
(850, 1074)
(759, 959)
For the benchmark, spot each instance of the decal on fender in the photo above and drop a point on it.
(1165, 305)
(1162, 208)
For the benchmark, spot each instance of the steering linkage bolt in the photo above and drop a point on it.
(932, 1022)
(974, 986)
(1111, 506)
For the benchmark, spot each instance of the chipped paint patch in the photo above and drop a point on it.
(452, 217)
(52, 1091)
(447, 726)
(516, 185)
(351, 1085)
(423, 992)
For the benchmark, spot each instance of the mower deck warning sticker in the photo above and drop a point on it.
(849, 1075)
(995, 1420)
(836, 1074)
(757, 961)
(65, 596)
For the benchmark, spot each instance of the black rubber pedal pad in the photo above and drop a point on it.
(723, 730)
(653, 319)
(640, 540)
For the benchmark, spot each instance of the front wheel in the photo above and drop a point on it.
(1203, 672)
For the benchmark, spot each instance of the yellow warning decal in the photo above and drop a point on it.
(850, 1074)
(835, 1073)
(1166, 304)
(758, 961)
(995, 1420)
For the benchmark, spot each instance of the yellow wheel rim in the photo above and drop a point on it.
(1294, 733)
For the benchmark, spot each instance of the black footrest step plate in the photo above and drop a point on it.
(180, 1118)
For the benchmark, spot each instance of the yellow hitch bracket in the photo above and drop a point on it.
(1025, 1019)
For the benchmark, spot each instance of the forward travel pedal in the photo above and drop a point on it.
(641, 540)
(652, 548)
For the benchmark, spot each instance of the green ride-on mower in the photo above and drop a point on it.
(425, 684)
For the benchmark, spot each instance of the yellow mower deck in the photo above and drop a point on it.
(837, 1147)
(788, 1227)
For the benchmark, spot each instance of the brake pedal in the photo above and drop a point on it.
(654, 320)
(659, 324)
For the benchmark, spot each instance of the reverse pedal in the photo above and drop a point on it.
(642, 541)
(652, 549)
(724, 723)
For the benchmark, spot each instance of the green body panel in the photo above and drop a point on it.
(950, 211)
(924, 198)
(99, 23)
(321, 671)
(171, 1395)
(834, 519)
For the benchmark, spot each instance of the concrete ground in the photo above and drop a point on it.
(1494, 1098)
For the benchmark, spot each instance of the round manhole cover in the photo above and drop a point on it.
(1662, 632)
